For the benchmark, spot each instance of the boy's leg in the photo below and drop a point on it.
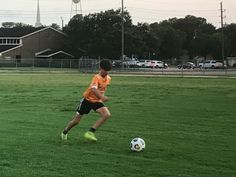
(105, 114)
(70, 125)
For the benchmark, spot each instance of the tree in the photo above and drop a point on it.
(8, 24)
(171, 40)
(55, 26)
(140, 41)
(13, 25)
(97, 34)
(196, 31)
(230, 33)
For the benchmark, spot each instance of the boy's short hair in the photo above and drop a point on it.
(105, 64)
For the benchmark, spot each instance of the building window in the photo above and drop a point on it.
(9, 41)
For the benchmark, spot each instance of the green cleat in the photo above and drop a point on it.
(90, 136)
(63, 136)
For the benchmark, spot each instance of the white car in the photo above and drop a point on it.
(142, 63)
(156, 64)
(210, 64)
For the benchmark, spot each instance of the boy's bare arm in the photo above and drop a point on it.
(99, 95)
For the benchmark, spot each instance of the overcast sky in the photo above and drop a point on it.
(54, 11)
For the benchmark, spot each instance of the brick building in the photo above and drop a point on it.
(28, 43)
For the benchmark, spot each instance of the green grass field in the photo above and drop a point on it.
(189, 125)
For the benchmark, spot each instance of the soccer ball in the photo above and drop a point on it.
(137, 144)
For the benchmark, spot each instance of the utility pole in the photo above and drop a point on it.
(222, 33)
(122, 30)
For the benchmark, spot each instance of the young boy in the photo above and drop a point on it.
(93, 98)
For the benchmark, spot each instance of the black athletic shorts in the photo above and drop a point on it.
(85, 106)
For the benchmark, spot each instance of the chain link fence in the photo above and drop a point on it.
(50, 64)
(92, 65)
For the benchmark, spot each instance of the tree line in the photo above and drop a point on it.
(99, 35)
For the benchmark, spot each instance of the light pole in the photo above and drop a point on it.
(122, 30)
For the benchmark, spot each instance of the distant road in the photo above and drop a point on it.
(171, 71)
(176, 71)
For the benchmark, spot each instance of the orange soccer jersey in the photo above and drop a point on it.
(99, 83)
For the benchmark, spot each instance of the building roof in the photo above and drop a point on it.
(6, 47)
(18, 31)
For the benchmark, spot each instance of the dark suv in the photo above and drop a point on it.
(187, 65)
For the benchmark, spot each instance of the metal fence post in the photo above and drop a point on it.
(61, 64)
(49, 65)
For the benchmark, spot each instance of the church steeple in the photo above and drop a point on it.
(38, 23)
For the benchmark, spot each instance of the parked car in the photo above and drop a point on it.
(116, 63)
(142, 63)
(156, 64)
(187, 65)
(210, 64)
(130, 63)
